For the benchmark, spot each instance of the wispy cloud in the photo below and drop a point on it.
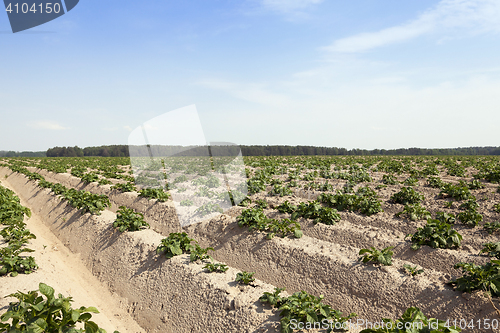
(475, 16)
(47, 125)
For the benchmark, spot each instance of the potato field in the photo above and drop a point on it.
(277, 244)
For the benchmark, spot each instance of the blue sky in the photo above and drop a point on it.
(354, 74)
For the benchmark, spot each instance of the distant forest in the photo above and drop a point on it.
(22, 154)
(123, 151)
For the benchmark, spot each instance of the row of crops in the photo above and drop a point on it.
(33, 312)
(444, 202)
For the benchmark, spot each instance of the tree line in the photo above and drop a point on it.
(12, 153)
(156, 150)
(104, 151)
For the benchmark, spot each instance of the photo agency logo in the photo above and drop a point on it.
(26, 14)
(170, 153)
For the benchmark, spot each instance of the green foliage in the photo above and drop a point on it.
(493, 176)
(261, 204)
(255, 219)
(104, 181)
(180, 179)
(178, 243)
(475, 184)
(436, 234)
(32, 313)
(125, 187)
(154, 193)
(186, 202)
(448, 204)
(175, 244)
(446, 217)
(478, 277)
(78, 171)
(413, 321)
(276, 181)
(245, 202)
(314, 210)
(310, 176)
(412, 270)
(470, 217)
(210, 181)
(255, 186)
(411, 181)
(283, 228)
(252, 217)
(206, 192)
(492, 249)
(199, 253)
(435, 182)
(286, 207)
(492, 227)
(11, 211)
(280, 191)
(470, 204)
(407, 195)
(457, 192)
(389, 179)
(456, 170)
(12, 262)
(216, 267)
(209, 208)
(496, 207)
(302, 307)
(415, 212)
(273, 298)
(383, 257)
(16, 232)
(88, 202)
(15, 235)
(90, 177)
(128, 220)
(365, 201)
(245, 277)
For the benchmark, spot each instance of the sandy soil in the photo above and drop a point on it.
(64, 271)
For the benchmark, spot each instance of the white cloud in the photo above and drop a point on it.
(475, 16)
(128, 128)
(287, 6)
(47, 125)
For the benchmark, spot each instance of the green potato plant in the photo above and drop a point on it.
(492, 227)
(415, 212)
(413, 321)
(216, 267)
(245, 277)
(175, 244)
(436, 234)
(304, 308)
(154, 193)
(36, 314)
(478, 277)
(413, 271)
(383, 256)
(129, 220)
